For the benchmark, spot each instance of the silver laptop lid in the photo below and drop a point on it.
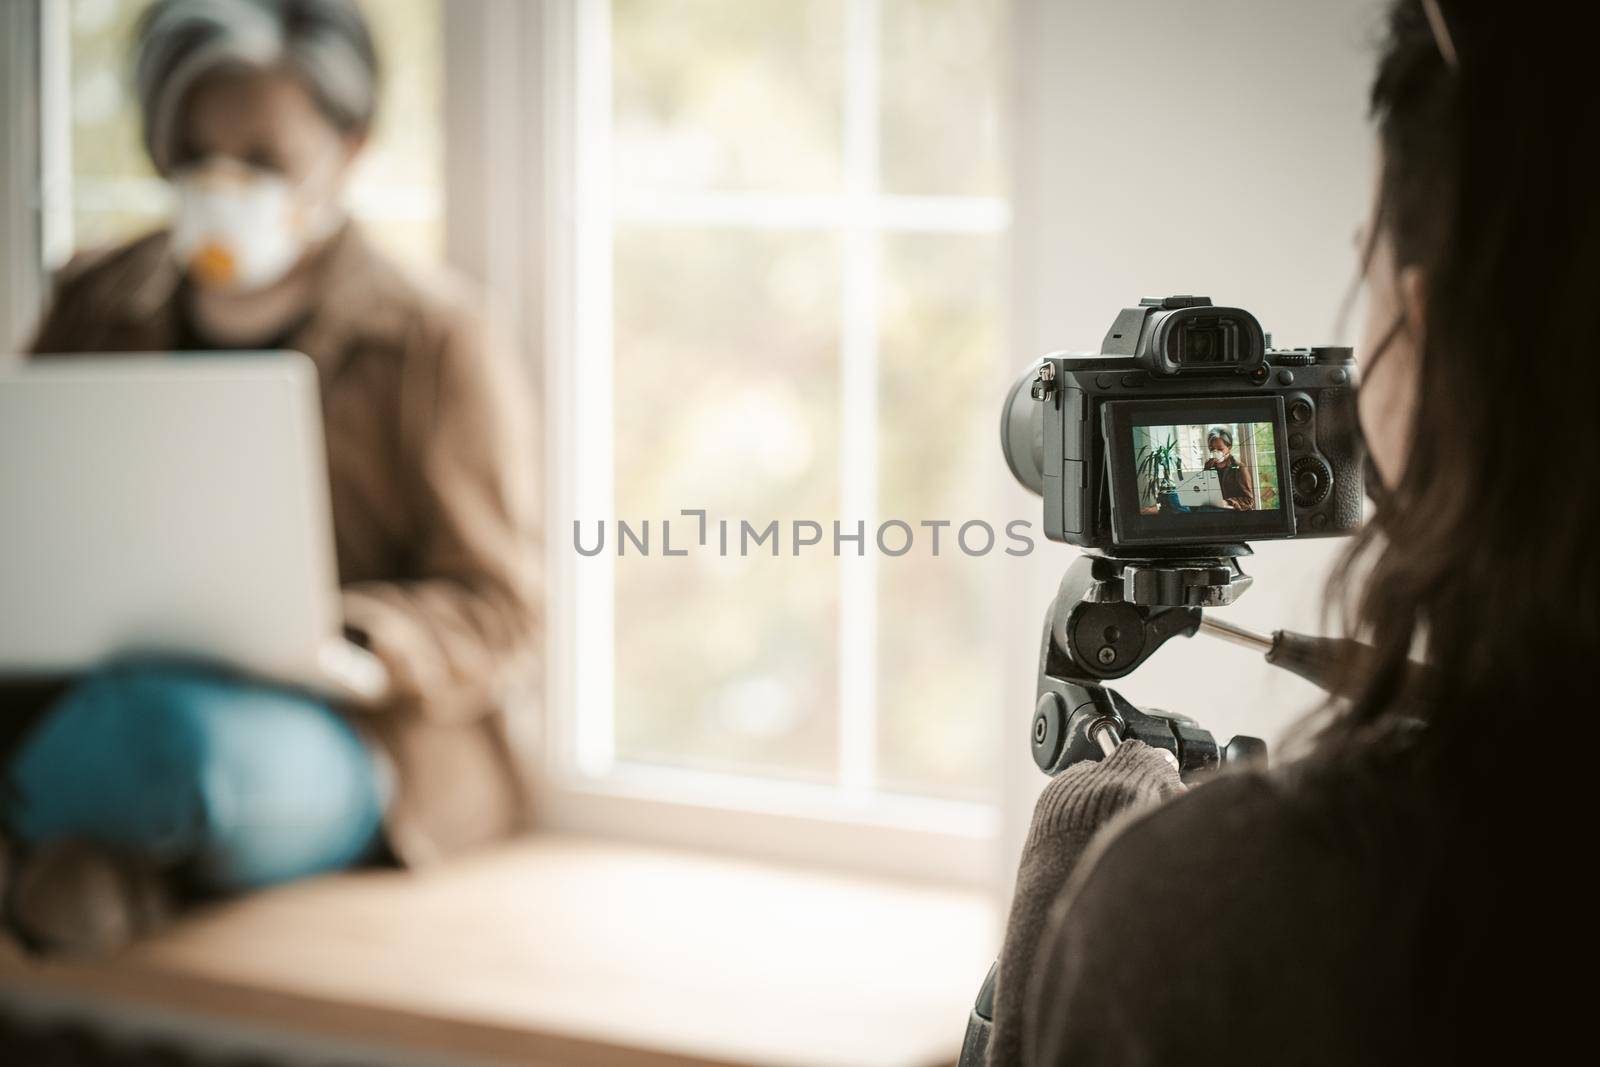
(175, 505)
(1201, 489)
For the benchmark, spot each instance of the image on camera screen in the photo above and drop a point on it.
(1206, 468)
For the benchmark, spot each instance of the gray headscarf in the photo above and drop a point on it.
(325, 42)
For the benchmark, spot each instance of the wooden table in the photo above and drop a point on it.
(569, 951)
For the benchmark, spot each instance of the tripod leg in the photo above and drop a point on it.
(975, 1046)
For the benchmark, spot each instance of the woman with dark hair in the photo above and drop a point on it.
(142, 778)
(1399, 893)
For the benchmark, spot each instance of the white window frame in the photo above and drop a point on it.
(526, 174)
(35, 144)
(528, 130)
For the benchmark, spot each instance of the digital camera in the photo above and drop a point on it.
(1185, 432)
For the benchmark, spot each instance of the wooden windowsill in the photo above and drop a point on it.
(558, 950)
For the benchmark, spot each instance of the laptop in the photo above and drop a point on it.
(175, 507)
(1202, 489)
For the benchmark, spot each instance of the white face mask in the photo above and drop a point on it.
(1217, 455)
(240, 229)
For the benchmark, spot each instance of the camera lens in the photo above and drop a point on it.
(1022, 432)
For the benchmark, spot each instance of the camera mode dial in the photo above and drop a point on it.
(1312, 479)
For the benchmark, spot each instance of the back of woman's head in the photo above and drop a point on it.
(1487, 120)
(326, 44)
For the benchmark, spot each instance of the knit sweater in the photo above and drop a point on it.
(1340, 911)
(1075, 805)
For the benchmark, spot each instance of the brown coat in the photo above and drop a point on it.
(1234, 480)
(430, 458)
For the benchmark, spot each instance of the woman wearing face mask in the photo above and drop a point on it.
(1232, 477)
(1415, 888)
(141, 780)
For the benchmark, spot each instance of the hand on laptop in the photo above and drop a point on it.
(352, 673)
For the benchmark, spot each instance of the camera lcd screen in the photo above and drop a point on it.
(1199, 470)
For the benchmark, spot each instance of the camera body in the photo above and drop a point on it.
(1186, 433)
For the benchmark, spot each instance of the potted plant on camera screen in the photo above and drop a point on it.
(1158, 466)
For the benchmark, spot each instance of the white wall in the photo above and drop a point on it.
(1217, 148)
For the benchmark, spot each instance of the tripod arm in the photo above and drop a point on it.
(1333, 664)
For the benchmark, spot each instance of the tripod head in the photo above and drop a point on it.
(1109, 615)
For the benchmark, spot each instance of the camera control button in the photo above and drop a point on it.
(1286, 377)
(1297, 441)
(1339, 376)
(1300, 412)
(1312, 478)
(1105, 381)
(1293, 357)
(1259, 375)
(1132, 381)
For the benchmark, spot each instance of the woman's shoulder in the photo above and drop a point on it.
(1262, 832)
(109, 298)
(1233, 820)
(115, 266)
(432, 297)
(1294, 862)
(428, 316)
(1253, 898)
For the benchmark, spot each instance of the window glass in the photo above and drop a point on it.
(726, 369)
(772, 267)
(728, 94)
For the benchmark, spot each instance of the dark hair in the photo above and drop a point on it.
(326, 43)
(1482, 552)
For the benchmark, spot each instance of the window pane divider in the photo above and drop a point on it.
(780, 211)
(590, 398)
(858, 370)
